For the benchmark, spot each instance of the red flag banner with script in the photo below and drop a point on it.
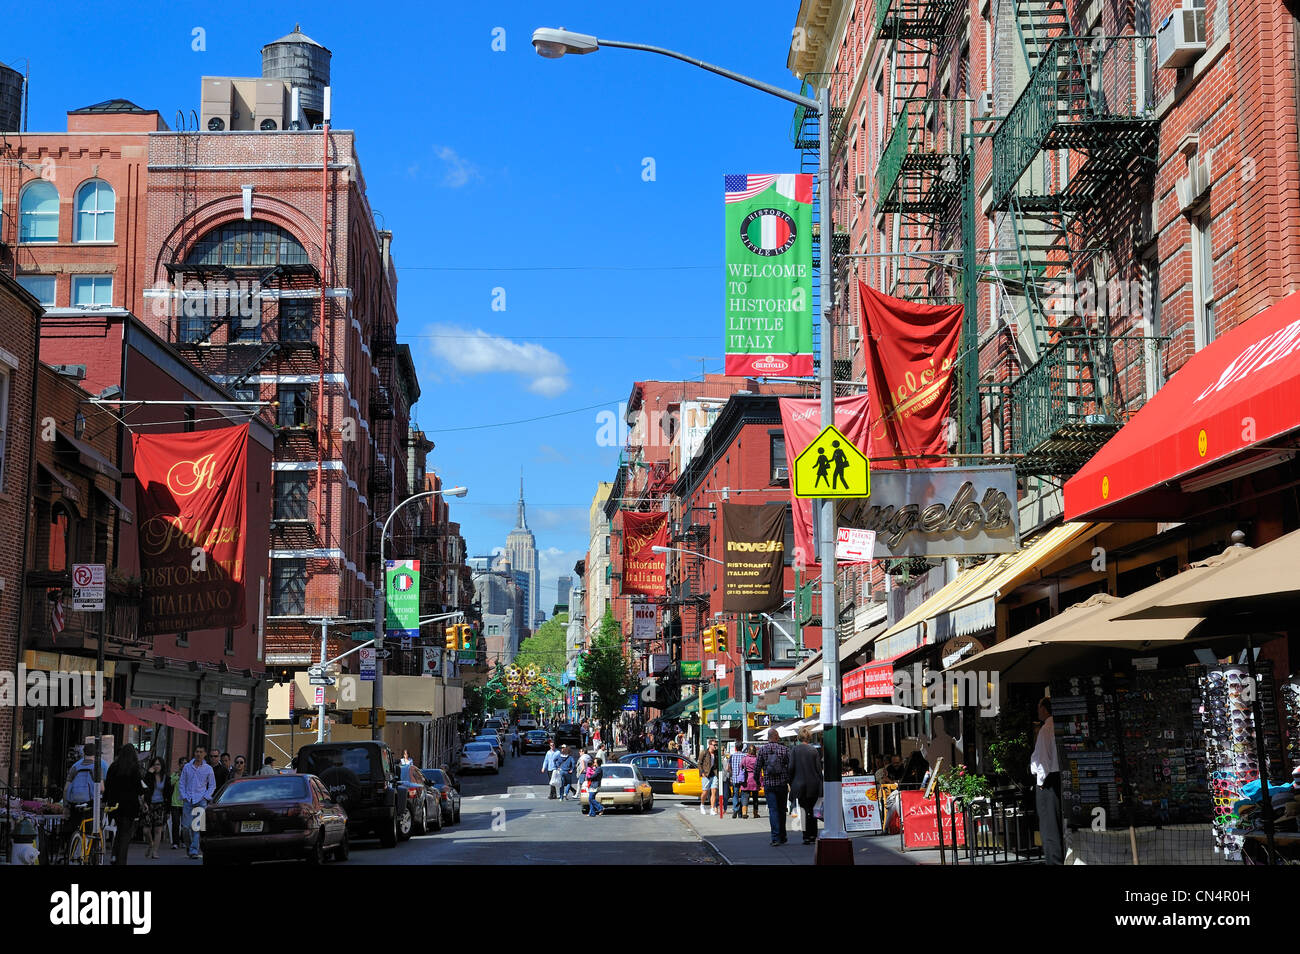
(644, 571)
(801, 421)
(192, 514)
(910, 351)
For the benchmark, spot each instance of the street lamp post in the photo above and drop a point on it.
(833, 846)
(381, 588)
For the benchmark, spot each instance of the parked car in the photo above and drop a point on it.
(568, 733)
(621, 786)
(526, 724)
(423, 804)
(361, 776)
(479, 757)
(497, 746)
(660, 768)
(267, 817)
(449, 787)
(534, 740)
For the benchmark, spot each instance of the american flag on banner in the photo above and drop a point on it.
(56, 612)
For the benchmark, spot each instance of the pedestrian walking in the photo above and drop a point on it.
(514, 742)
(709, 778)
(218, 770)
(566, 766)
(774, 765)
(749, 782)
(601, 752)
(123, 786)
(806, 782)
(549, 769)
(594, 775)
(1045, 766)
(736, 776)
(198, 783)
(158, 799)
(268, 767)
(240, 769)
(175, 801)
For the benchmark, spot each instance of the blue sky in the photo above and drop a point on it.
(588, 190)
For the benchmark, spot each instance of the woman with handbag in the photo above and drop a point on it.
(157, 803)
(749, 782)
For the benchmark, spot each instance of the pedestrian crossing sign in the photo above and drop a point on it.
(831, 466)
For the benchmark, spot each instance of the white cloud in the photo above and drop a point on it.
(477, 352)
(459, 170)
(553, 563)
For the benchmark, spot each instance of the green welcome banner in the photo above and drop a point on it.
(769, 275)
(402, 598)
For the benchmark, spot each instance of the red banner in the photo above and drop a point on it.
(921, 822)
(644, 571)
(801, 421)
(192, 516)
(910, 353)
(872, 681)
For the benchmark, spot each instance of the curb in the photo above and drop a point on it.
(682, 817)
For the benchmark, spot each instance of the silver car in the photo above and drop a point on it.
(479, 757)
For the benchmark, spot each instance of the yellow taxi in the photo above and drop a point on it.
(687, 782)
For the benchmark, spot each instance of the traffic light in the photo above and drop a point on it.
(721, 633)
(466, 636)
(708, 639)
(451, 634)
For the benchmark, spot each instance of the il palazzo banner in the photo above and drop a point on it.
(644, 570)
(754, 557)
(769, 275)
(192, 509)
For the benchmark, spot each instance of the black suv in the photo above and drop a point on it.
(361, 776)
(568, 733)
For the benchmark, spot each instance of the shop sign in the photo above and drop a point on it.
(872, 681)
(860, 807)
(938, 512)
(921, 824)
(645, 618)
(692, 669)
(761, 680)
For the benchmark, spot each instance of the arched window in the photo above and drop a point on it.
(95, 207)
(38, 213)
(248, 245)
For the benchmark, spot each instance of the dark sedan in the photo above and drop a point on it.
(568, 733)
(268, 817)
(449, 787)
(534, 741)
(659, 768)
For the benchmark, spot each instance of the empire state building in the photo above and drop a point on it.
(521, 547)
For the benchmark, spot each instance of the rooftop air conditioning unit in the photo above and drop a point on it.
(74, 371)
(860, 184)
(1180, 39)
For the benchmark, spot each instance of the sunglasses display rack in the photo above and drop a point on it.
(1228, 724)
(1291, 707)
(1164, 758)
(1083, 711)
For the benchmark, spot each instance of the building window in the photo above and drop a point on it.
(780, 471)
(1202, 280)
(4, 423)
(95, 212)
(61, 538)
(88, 290)
(251, 393)
(291, 495)
(230, 640)
(38, 213)
(246, 329)
(789, 538)
(296, 316)
(1151, 324)
(40, 286)
(289, 587)
(295, 406)
(248, 244)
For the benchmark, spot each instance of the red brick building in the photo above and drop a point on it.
(20, 321)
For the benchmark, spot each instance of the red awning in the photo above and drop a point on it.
(1223, 414)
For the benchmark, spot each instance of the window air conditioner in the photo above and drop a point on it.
(780, 473)
(855, 334)
(1196, 183)
(984, 104)
(860, 184)
(1180, 39)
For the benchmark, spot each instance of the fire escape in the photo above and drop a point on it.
(379, 489)
(1072, 160)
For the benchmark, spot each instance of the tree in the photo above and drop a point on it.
(545, 648)
(605, 674)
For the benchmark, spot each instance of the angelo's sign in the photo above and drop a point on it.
(191, 503)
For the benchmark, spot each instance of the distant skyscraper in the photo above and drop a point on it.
(562, 588)
(522, 549)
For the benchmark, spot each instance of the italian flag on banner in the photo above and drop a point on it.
(769, 275)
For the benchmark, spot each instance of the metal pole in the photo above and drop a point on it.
(833, 847)
(324, 653)
(99, 724)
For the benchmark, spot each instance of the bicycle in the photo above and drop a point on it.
(88, 847)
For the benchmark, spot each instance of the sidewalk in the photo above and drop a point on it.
(747, 841)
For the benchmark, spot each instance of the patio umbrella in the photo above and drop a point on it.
(113, 713)
(166, 715)
(877, 714)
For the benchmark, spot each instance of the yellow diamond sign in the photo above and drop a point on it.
(831, 467)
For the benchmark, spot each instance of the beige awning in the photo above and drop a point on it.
(1267, 578)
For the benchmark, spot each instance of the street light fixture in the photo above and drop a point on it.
(834, 846)
(381, 588)
(702, 556)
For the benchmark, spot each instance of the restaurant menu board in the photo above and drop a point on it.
(921, 821)
(858, 796)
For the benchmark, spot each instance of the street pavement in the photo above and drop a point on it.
(508, 819)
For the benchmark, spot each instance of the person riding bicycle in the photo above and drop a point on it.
(79, 788)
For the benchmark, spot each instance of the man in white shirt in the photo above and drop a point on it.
(197, 783)
(1046, 769)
